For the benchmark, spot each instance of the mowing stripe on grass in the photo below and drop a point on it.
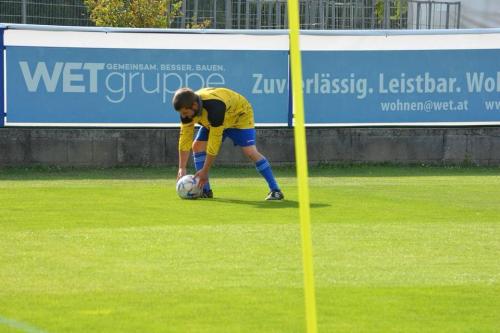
(19, 325)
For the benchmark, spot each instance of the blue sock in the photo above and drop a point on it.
(264, 168)
(199, 161)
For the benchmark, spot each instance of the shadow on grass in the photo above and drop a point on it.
(268, 204)
(169, 173)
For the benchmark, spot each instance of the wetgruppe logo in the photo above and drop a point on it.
(75, 85)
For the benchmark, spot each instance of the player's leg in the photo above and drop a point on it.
(264, 168)
(245, 138)
(199, 148)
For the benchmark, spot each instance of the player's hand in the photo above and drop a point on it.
(202, 177)
(181, 173)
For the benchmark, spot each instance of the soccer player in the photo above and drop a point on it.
(221, 113)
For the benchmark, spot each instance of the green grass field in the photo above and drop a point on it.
(396, 249)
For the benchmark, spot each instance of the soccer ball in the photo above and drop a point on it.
(187, 187)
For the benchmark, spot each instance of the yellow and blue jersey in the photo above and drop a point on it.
(221, 109)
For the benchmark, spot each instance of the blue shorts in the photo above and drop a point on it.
(240, 137)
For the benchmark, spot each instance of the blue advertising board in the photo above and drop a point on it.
(374, 79)
(402, 87)
(2, 111)
(56, 85)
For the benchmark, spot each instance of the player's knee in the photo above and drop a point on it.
(198, 146)
(252, 153)
(248, 151)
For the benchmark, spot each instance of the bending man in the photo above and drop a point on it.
(221, 113)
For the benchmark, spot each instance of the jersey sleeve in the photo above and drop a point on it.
(215, 140)
(186, 136)
(216, 114)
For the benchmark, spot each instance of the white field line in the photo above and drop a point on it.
(19, 325)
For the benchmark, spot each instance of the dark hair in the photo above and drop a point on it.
(184, 98)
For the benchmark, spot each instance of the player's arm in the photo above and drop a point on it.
(216, 113)
(213, 146)
(183, 159)
(185, 142)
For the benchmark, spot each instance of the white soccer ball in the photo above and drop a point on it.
(187, 187)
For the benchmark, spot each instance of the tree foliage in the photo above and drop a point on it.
(398, 7)
(134, 13)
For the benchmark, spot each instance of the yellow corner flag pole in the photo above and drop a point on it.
(301, 160)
